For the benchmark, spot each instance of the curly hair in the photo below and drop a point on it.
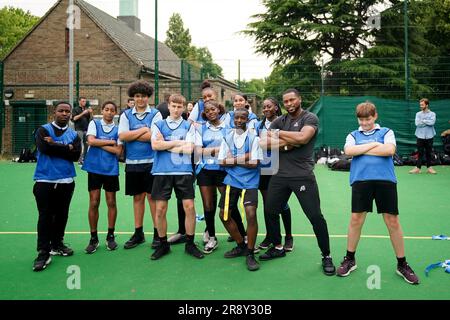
(216, 105)
(141, 87)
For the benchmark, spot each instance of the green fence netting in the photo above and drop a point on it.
(337, 119)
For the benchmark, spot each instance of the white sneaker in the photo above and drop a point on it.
(211, 245)
(205, 237)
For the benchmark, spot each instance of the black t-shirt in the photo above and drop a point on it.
(298, 162)
(81, 124)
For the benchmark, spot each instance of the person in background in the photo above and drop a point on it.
(425, 132)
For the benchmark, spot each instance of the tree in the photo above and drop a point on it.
(291, 29)
(178, 38)
(14, 24)
(255, 86)
(303, 75)
(202, 58)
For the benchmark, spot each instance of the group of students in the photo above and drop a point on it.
(230, 152)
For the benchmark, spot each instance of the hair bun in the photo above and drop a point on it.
(205, 84)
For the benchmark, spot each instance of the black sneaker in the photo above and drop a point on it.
(347, 265)
(191, 248)
(265, 244)
(252, 264)
(42, 261)
(61, 250)
(328, 267)
(177, 238)
(230, 239)
(92, 246)
(111, 243)
(407, 274)
(134, 241)
(162, 250)
(236, 252)
(288, 244)
(272, 253)
(156, 243)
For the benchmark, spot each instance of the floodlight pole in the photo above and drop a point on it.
(156, 56)
(405, 18)
(71, 50)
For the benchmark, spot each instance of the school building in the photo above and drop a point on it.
(109, 54)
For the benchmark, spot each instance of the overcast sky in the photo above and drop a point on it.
(212, 23)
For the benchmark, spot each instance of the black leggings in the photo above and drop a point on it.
(53, 201)
(307, 193)
(424, 146)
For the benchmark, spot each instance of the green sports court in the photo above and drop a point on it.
(130, 274)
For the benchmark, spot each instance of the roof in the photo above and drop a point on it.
(137, 45)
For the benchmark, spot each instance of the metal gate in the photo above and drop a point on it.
(27, 117)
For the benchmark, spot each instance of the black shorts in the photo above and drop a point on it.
(97, 181)
(182, 184)
(264, 182)
(211, 178)
(384, 193)
(138, 182)
(250, 198)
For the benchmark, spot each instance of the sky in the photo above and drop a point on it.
(214, 24)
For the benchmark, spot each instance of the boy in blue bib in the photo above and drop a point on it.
(240, 155)
(58, 147)
(102, 164)
(372, 177)
(135, 133)
(173, 140)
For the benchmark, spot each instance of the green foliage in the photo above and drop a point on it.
(202, 57)
(178, 38)
(14, 24)
(290, 30)
(255, 86)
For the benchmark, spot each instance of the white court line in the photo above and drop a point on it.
(219, 234)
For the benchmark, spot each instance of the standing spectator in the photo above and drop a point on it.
(130, 105)
(58, 147)
(425, 133)
(81, 116)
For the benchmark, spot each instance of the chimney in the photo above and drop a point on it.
(128, 13)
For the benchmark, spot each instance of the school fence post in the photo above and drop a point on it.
(2, 106)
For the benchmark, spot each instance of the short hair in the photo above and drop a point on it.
(109, 102)
(140, 86)
(426, 101)
(60, 102)
(80, 98)
(292, 90)
(365, 110)
(242, 110)
(130, 99)
(177, 98)
(214, 104)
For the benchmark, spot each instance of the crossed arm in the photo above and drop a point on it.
(107, 145)
(371, 149)
(175, 146)
(289, 139)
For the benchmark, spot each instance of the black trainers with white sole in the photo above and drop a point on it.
(92, 246)
(61, 250)
(42, 261)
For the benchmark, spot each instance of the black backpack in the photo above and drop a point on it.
(27, 156)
